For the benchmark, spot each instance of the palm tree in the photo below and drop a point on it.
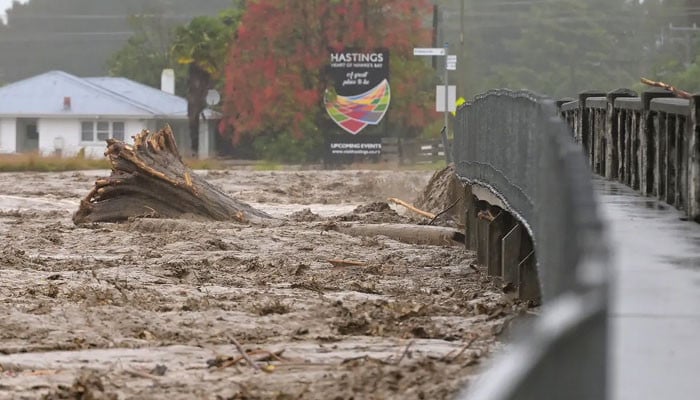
(202, 45)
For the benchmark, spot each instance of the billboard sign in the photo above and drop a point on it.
(344, 149)
(361, 94)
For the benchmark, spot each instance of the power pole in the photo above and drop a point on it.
(461, 78)
(688, 33)
(445, 129)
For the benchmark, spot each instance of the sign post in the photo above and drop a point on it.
(450, 64)
(445, 143)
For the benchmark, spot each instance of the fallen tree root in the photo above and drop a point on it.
(149, 179)
(412, 234)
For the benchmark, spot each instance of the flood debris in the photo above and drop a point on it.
(407, 233)
(411, 207)
(88, 385)
(149, 179)
(122, 299)
(677, 92)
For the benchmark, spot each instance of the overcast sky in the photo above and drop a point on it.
(4, 5)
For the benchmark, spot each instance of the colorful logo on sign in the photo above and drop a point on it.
(354, 113)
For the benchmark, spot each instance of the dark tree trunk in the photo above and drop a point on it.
(149, 179)
(198, 83)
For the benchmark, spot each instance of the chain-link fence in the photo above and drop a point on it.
(515, 145)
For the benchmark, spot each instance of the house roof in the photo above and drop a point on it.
(45, 94)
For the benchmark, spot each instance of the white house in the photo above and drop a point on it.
(58, 113)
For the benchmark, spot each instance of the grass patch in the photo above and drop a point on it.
(207, 163)
(268, 166)
(433, 166)
(37, 163)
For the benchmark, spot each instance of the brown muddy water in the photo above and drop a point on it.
(149, 309)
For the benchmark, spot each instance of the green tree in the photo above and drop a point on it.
(147, 52)
(673, 58)
(569, 46)
(557, 47)
(202, 45)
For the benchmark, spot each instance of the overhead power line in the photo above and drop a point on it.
(98, 16)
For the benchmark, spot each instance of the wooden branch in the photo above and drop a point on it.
(445, 210)
(464, 348)
(411, 207)
(675, 91)
(149, 179)
(245, 355)
(346, 263)
(403, 353)
(141, 374)
(263, 356)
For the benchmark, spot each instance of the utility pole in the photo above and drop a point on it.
(450, 62)
(461, 78)
(688, 33)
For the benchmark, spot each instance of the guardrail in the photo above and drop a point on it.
(531, 216)
(649, 142)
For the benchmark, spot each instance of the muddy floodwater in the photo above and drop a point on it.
(151, 309)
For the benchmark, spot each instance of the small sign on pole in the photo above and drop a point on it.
(451, 62)
(440, 98)
(429, 51)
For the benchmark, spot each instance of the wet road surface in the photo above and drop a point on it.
(655, 315)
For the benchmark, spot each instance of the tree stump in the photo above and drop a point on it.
(149, 179)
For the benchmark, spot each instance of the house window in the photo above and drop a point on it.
(118, 130)
(87, 133)
(100, 131)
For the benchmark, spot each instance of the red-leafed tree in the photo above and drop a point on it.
(275, 76)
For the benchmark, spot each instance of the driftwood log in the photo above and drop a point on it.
(677, 92)
(149, 179)
(412, 234)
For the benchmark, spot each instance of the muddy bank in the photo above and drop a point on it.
(148, 309)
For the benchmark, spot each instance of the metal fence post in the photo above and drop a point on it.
(693, 133)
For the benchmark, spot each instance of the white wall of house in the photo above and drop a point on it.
(58, 134)
(207, 138)
(133, 128)
(8, 135)
(64, 136)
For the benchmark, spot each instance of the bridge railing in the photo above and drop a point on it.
(649, 142)
(524, 173)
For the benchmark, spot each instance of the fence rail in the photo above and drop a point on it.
(416, 151)
(649, 142)
(413, 151)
